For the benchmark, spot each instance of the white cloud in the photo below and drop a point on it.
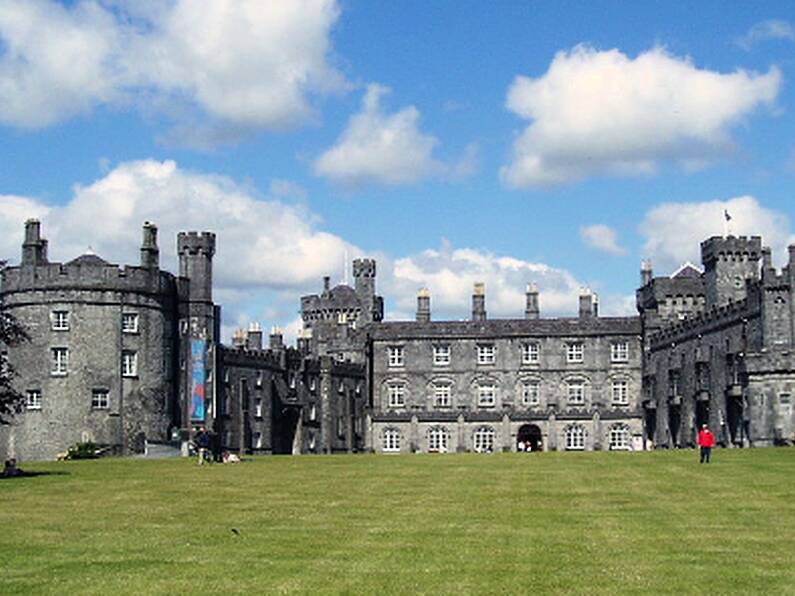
(260, 243)
(244, 63)
(766, 31)
(602, 238)
(674, 231)
(450, 273)
(379, 147)
(601, 112)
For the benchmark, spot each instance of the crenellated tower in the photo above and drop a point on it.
(728, 263)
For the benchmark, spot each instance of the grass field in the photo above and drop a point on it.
(596, 523)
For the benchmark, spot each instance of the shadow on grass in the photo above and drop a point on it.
(22, 474)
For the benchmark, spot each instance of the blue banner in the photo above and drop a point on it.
(198, 376)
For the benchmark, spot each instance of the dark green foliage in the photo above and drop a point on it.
(12, 333)
(87, 450)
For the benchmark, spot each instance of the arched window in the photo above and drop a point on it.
(575, 438)
(438, 439)
(484, 439)
(619, 438)
(391, 439)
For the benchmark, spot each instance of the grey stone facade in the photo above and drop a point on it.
(127, 356)
(728, 363)
(102, 361)
(488, 385)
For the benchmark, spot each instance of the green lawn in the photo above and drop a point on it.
(596, 523)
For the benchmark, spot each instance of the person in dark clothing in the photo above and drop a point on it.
(706, 441)
(203, 445)
(10, 469)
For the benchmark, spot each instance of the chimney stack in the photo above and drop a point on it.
(276, 339)
(531, 310)
(479, 302)
(239, 338)
(423, 306)
(254, 337)
(645, 272)
(150, 254)
(326, 283)
(586, 303)
(595, 304)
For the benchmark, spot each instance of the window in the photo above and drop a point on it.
(340, 426)
(441, 395)
(486, 354)
(59, 320)
(311, 442)
(100, 399)
(784, 398)
(129, 363)
(441, 355)
(437, 439)
(487, 395)
(619, 352)
(313, 412)
(396, 395)
(484, 439)
(33, 399)
(529, 353)
(258, 440)
(574, 352)
(575, 438)
(576, 392)
(391, 439)
(530, 393)
(312, 383)
(259, 379)
(60, 361)
(129, 322)
(395, 355)
(619, 438)
(258, 408)
(620, 391)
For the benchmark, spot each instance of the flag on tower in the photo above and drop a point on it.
(726, 215)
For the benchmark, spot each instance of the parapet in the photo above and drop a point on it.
(364, 268)
(194, 243)
(730, 248)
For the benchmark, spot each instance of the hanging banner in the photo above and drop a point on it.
(198, 376)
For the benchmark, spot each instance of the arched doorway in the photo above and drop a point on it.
(529, 435)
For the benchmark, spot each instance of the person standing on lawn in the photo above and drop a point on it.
(203, 444)
(706, 441)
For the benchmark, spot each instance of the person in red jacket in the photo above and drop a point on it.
(706, 440)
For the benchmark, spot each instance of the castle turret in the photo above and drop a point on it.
(728, 263)
(423, 306)
(364, 279)
(531, 310)
(479, 302)
(34, 248)
(196, 253)
(150, 253)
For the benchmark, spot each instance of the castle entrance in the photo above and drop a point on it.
(529, 434)
(285, 423)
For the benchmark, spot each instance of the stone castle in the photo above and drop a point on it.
(131, 358)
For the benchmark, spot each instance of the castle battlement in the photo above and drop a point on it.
(731, 248)
(95, 276)
(196, 243)
(705, 322)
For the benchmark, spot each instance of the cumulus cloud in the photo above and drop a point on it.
(674, 231)
(766, 31)
(261, 242)
(450, 273)
(244, 63)
(602, 238)
(601, 112)
(379, 147)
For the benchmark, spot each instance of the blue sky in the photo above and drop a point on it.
(464, 141)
